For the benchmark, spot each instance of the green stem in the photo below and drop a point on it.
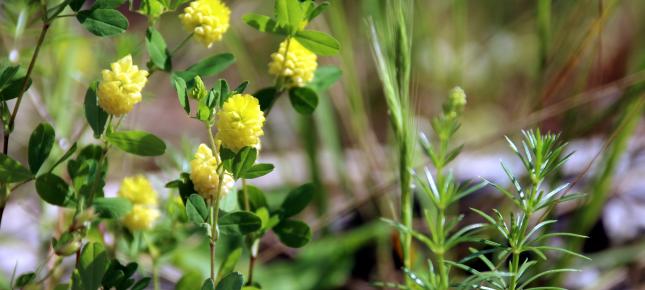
(406, 206)
(214, 206)
(181, 44)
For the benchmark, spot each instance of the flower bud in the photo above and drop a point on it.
(455, 104)
(68, 244)
(199, 90)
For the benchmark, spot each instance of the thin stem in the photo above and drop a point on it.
(251, 267)
(181, 44)
(12, 120)
(214, 205)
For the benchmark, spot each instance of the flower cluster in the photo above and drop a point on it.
(240, 122)
(204, 173)
(456, 103)
(143, 197)
(207, 19)
(295, 63)
(120, 87)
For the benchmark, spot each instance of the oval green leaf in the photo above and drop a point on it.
(112, 207)
(12, 171)
(318, 42)
(294, 234)
(138, 142)
(239, 223)
(232, 281)
(196, 209)
(103, 22)
(54, 190)
(40, 145)
(297, 200)
(304, 100)
(157, 49)
(95, 115)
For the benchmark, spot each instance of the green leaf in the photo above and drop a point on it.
(13, 79)
(317, 11)
(267, 97)
(256, 198)
(54, 190)
(228, 265)
(109, 4)
(95, 115)
(304, 100)
(25, 279)
(318, 42)
(258, 170)
(208, 67)
(76, 5)
(157, 49)
(152, 8)
(12, 171)
(297, 200)
(141, 284)
(208, 285)
(241, 87)
(196, 209)
(263, 23)
(40, 145)
(232, 281)
(103, 22)
(243, 161)
(290, 13)
(7, 72)
(92, 265)
(324, 78)
(294, 234)
(112, 207)
(189, 281)
(138, 142)
(239, 223)
(180, 86)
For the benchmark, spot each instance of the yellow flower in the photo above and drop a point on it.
(120, 87)
(207, 19)
(138, 190)
(140, 218)
(240, 122)
(204, 175)
(297, 65)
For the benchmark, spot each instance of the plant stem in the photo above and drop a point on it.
(214, 205)
(181, 44)
(12, 120)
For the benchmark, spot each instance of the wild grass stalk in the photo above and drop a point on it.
(391, 45)
(544, 33)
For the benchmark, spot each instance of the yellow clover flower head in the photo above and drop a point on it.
(204, 175)
(138, 190)
(143, 197)
(207, 19)
(240, 122)
(297, 65)
(120, 86)
(141, 217)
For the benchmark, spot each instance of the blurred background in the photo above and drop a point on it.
(576, 67)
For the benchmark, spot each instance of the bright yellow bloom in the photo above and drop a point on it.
(204, 174)
(120, 87)
(297, 65)
(140, 218)
(207, 19)
(138, 190)
(240, 122)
